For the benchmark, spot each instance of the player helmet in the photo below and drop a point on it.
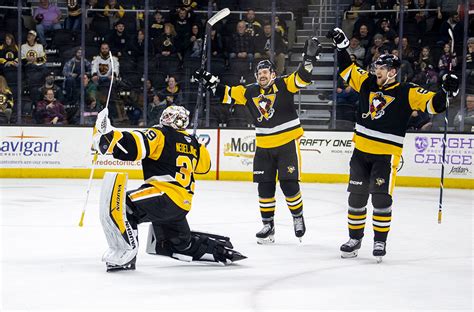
(388, 60)
(176, 117)
(264, 64)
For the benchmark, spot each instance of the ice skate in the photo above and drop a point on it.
(379, 251)
(300, 228)
(350, 249)
(126, 267)
(266, 234)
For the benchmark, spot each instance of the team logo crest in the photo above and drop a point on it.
(264, 105)
(103, 69)
(378, 104)
(31, 53)
(379, 181)
(291, 169)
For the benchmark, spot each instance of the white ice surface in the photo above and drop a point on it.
(49, 263)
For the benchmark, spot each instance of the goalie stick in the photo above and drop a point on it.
(96, 154)
(213, 20)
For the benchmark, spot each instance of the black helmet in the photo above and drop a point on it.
(265, 64)
(389, 60)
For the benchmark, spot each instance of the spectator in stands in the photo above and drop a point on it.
(6, 102)
(470, 57)
(74, 16)
(406, 72)
(467, 115)
(32, 53)
(72, 74)
(345, 94)
(356, 49)
(101, 68)
(113, 11)
(136, 47)
(446, 59)
(373, 51)
(8, 53)
(263, 48)
(92, 104)
(217, 47)
(365, 38)
(154, 110)
(281, 29)
(385, 5)
(384, 28)
(424, 59)
(407, 52)
(193, 44)
(252, 26)
(48, 17)
(352, 16)
(166, 45)
(450, 23)
(50, 110)
(172, 93)
(447, 7)
(426, 77)
(157, 26)
(49, 85)
(118, 40)
(132, 107)
(419, 121)
(242, 44)
(423, 19)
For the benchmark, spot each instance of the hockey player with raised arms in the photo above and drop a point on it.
(385, 106)
(170, 157)
(278, 129)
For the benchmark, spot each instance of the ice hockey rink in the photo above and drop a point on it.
(49, 263)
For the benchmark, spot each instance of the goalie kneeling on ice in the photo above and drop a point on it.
(202, 247)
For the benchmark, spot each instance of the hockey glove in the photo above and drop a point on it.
(450, 84)
(339, 38)
(209, 81)
(312, 49)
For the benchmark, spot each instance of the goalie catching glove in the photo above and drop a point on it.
(104, 137)
(339, 38)
(209, 81)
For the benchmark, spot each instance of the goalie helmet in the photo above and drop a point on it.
(176, 117)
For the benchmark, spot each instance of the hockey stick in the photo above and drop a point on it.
(213, 20)
(441, 185)
(96, 154)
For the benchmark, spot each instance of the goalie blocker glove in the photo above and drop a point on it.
(450, 84)
(339, 38)
(312, 49)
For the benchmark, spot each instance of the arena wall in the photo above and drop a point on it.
(62, 152)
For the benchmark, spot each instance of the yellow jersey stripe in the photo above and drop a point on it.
(140, 145)
(295, 207)
(375, 147)
(280, 139)
(294, 198)
(267, 209)
(146, 192)
(266, 200)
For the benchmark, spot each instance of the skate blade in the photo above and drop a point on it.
(378, 259)
(300, 239)
(120, 268)
(264, 241)
(351, 254)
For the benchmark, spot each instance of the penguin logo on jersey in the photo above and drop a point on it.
(264, 104)
(291, 169)
(378, 103)
(379, 181)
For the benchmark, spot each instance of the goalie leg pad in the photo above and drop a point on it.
(121, 237)
(199, 247)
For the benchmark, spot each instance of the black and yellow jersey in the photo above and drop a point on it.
(272, 109)
(6, 100)
(383, 112)
(169, 159)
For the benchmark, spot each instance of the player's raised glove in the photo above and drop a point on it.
(339, 38)
(312, 49)
(209, 81)
(103, 132)
(450, 84)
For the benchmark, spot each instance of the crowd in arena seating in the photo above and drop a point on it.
(425, 47)
(51, 55)
(52, 52)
